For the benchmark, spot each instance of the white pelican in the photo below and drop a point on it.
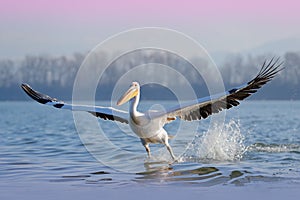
(149, 126)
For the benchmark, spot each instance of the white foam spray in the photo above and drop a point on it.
(217, 144)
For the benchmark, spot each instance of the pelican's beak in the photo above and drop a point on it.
(131, 92)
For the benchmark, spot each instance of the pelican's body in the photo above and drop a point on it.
(149, 126)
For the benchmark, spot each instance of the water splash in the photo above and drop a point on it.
(275, 148)
(218, 144)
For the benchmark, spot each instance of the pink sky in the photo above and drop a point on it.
(42, 23)
(152, 9)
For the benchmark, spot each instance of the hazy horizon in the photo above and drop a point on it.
(63, 27)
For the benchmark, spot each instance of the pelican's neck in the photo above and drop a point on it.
(133, 104)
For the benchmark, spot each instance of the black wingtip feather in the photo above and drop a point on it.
(37, 96)
(266, 74)
(267, 71)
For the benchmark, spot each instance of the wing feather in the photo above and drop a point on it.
(106, 113)
(204, 107)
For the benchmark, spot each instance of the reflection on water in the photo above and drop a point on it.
(189, 173)
(158, 173)
(169, 174)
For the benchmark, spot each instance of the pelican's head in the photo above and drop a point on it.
(133, 91)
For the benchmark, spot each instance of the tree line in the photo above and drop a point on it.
(56, 74)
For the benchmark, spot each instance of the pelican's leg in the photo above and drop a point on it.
(170, 150)
(147, 149)
(146, 145)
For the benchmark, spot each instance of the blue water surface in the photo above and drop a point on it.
(256, 154)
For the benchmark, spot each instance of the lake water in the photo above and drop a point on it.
(256, 154)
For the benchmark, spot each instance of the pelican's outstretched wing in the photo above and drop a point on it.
(106, 113)
(203, 107)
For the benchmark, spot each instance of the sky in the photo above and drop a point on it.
(62, 27)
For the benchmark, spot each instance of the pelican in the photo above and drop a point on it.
(149, 126)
